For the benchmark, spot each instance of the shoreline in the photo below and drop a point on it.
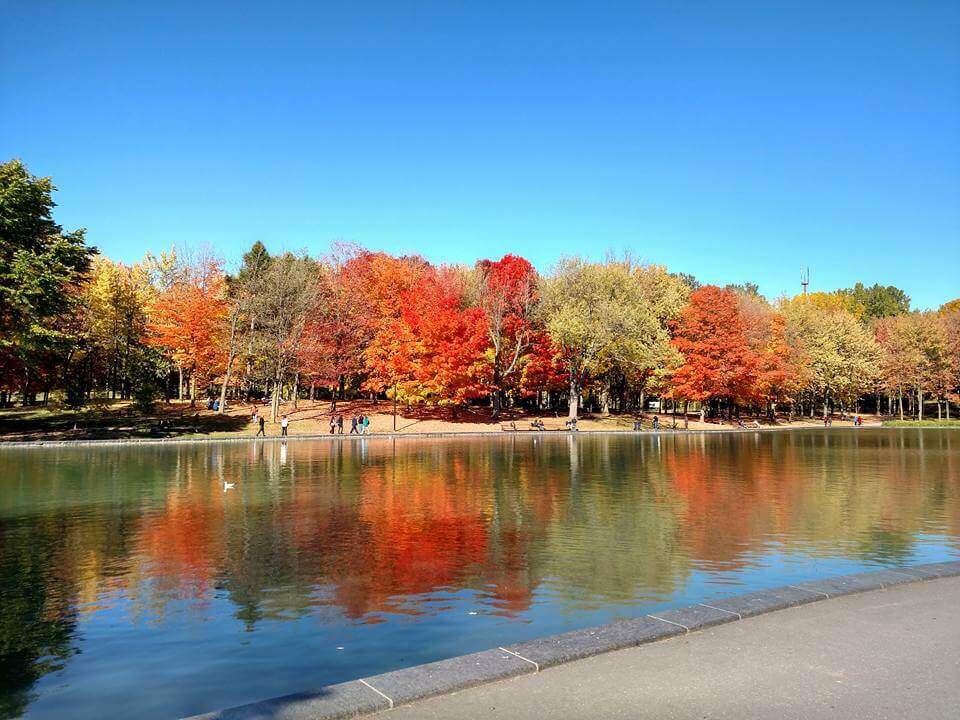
(447, 434)
(368, 695)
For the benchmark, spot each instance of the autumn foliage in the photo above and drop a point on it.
(187, 322)
(718, 361)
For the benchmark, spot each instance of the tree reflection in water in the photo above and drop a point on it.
(380, 531)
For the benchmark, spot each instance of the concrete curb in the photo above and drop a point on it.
(420, 435)
(399, 687)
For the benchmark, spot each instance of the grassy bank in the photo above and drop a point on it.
(922, 423)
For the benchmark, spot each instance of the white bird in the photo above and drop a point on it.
(228, 486)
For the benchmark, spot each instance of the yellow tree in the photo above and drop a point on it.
(838, 351)
(115, 298)
(915, 356)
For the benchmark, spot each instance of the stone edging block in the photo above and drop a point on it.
(557, 649)
(423, 681)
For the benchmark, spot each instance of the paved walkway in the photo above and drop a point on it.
(884, 654)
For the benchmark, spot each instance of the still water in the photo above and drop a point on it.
(132, 583)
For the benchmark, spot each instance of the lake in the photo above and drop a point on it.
(134, 582)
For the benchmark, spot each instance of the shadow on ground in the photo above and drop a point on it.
(112, 423)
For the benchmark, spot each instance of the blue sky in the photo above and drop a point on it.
(733, 140)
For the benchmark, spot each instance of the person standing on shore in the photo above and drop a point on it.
(333, 425)
(353, 425)
(262, 430)
(283, 426)
(340, 424)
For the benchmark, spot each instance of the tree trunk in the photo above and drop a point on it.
(277, 387)
(686, 419)
(900, 401)
(180, 381)
(296, 389)
(496, 399)
(231, 353)
(605, 398)
(193, 389)
(919, 403)
(574, 401)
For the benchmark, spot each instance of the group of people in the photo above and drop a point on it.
(359, 425)
(261, 422)
(828, 420)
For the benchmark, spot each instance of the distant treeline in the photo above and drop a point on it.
(76, 326)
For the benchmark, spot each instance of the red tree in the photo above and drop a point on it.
(718, 362)
(335, 335)
(434, 350)
(543, 366)
(507, 295)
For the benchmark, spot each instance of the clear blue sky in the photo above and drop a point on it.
(733, 140)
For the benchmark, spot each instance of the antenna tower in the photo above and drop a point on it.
(804, 278)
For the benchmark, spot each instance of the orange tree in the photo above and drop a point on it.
(187, 322)
(718, 362)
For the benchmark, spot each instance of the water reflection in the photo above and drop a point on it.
(109, 550)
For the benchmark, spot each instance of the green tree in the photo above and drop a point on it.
(287, 297)
(876, 301)
(243, 291)
(40, 269)
(747, 289)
